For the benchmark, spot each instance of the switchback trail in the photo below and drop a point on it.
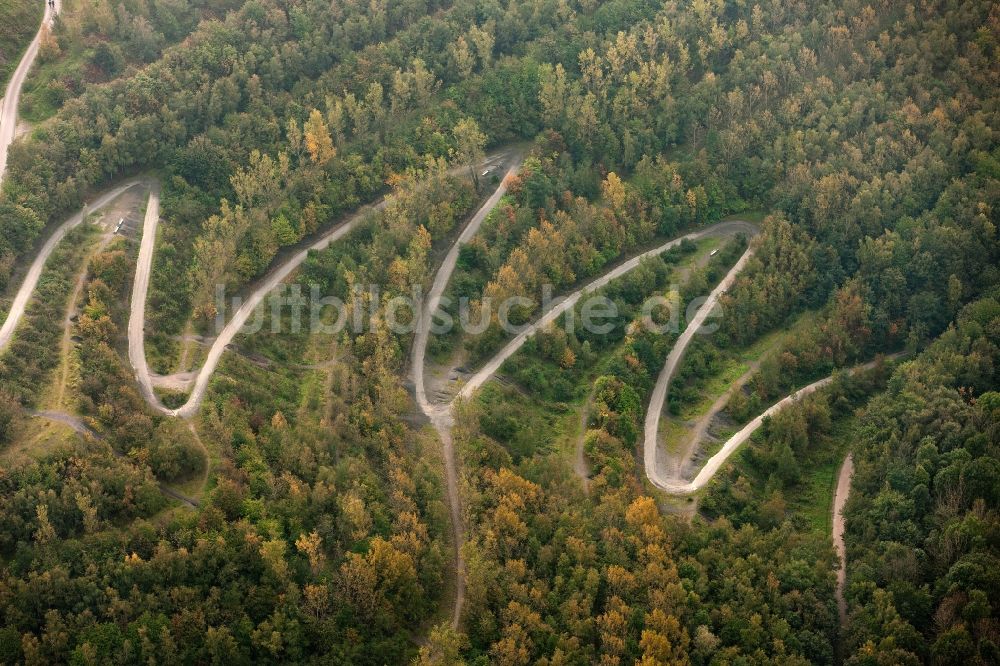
(440, 415)
(729, 228)
(140, 288)
(659, 395)
(276, 276)
(677, 486)
(12, 96)
(580, 459)
(671, 482)
(136, 324)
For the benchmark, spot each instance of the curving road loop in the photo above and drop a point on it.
(239, 318)
(136, 333)
(659, 395)
(440, 416)
(137, 314)
(553, 313)
(12, 96)
(679, 486)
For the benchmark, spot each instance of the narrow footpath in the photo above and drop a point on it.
(839, 500)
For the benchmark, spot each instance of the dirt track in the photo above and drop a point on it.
(440, 415)
(839, 500)
(679, 487)
(493, 365)
(12, 96)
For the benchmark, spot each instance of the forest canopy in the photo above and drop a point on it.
(304, 514)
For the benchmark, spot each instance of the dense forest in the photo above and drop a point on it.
(302, 515)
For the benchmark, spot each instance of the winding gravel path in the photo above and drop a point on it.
(12, 96)
(140, 288)
(235, 323)
(276, 276)
(651, 450)
(136, 333)
(493, 365)
(440, 415)
(27, 288)
(680, 487)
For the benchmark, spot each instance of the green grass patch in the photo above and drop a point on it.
(730, 365)
(812, 497)
(717, 384)
(673, 432)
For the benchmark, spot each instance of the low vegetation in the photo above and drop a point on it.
(19, 20)
(26, 364)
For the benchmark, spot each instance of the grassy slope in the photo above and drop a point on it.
(813, 498)
(19, 21)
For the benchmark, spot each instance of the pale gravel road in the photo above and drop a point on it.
(493, 365)
(27, 288)
(441, 279)
(440, 414)
(140, 286)
(12, 96)
(256, 297)
(651, 449)
(235, 323)
(136, 334)
(679, 487)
